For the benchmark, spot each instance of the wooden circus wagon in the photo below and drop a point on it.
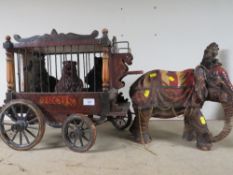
(65, 80)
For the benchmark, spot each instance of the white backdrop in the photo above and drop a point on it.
(163, 34)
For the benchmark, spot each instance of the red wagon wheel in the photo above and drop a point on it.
(22, 124)
(79, 133)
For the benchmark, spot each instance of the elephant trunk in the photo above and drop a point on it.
(228, 111)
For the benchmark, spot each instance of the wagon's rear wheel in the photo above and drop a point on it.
(79, 133)
(22, 124)
(122, 122)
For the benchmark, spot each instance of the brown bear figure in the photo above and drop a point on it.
(69, 82)
(38, 78)
(94, 77)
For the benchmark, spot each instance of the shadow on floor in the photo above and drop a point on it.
(52, 140)
(109, 139)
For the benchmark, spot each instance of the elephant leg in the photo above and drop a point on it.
(189, 133)
(139, 128)
(199, 124)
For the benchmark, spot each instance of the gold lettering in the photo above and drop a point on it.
(60, 100)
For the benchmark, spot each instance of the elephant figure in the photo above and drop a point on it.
(167, 94)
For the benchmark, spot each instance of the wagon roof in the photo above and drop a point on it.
(60, 42)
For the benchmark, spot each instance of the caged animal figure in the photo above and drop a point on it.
(69, 82)
(95, 74)
(166, 94)
(38, 78)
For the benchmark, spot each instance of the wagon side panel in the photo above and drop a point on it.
(56, 107)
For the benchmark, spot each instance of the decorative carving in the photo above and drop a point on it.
(105, 40)
(54, 36)
(8, 45)
(119, 68)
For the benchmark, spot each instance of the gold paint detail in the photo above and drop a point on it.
(181, 77)
(164, 77)
(202, 120)
(171, 78)
(147, 93)
(153, 75)
(58, 100)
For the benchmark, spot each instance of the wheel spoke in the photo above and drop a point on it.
(33, 135)
(9, 124)
(32, 120)
(27, 113)
(70, 125)
(31, 127)
(85, 138)
(20, 138)
(81, 124)
(75, 139)
(75, 123)
(81, 140)
(87, 130)
(124, 121)
(13, 138)
(9, 116)
(26, 137)
(21, 110)
(8, 130)
(13, 109)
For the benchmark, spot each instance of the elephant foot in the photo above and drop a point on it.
(142, 138)
(203, 142)
(206, 147)
(189, 135)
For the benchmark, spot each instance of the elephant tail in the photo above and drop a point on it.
(228, 111)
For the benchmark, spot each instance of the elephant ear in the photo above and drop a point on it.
(200, 89)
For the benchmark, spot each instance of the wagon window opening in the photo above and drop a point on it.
(58, 70)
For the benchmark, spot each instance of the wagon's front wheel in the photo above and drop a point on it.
(79, 133)
(122, 122)
(22, 124)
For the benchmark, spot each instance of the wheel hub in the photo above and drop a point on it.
(79, 131)
(20, 125)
